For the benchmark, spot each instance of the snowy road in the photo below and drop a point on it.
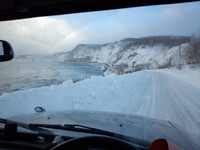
(155, 94)
(171, 99)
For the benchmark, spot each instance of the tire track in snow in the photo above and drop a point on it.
(169, 98)
(187, 100)
(139, 97)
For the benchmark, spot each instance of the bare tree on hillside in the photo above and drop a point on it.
(193, 51)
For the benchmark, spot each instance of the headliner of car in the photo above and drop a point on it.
(19, 9)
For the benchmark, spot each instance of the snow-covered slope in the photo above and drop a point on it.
(130, 54)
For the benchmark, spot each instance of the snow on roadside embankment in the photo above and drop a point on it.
(166, 94)
(98, 93)
(189, 74)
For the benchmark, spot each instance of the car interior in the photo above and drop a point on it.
(21, 9)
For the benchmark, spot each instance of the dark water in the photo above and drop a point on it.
(30, 73)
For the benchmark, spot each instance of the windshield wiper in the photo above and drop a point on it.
(86, 129)
(25, 126)
(75, 127)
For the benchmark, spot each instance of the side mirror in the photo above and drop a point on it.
(6, 51)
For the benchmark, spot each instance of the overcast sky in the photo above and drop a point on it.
(47, 35)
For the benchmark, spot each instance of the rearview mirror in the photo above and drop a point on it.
(6, 52)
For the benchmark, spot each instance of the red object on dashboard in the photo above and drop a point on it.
(163, 144)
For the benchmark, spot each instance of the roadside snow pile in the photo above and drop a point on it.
(188, 73)
(111, 93)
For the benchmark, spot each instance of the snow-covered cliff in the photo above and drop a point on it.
(130, 54)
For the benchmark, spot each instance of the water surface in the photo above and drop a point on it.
(25, 73)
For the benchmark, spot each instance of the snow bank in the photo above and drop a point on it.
(188, 73)
(109, 93)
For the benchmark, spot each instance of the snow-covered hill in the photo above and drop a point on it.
(129, 55)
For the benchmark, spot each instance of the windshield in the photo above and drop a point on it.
(142, 61)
